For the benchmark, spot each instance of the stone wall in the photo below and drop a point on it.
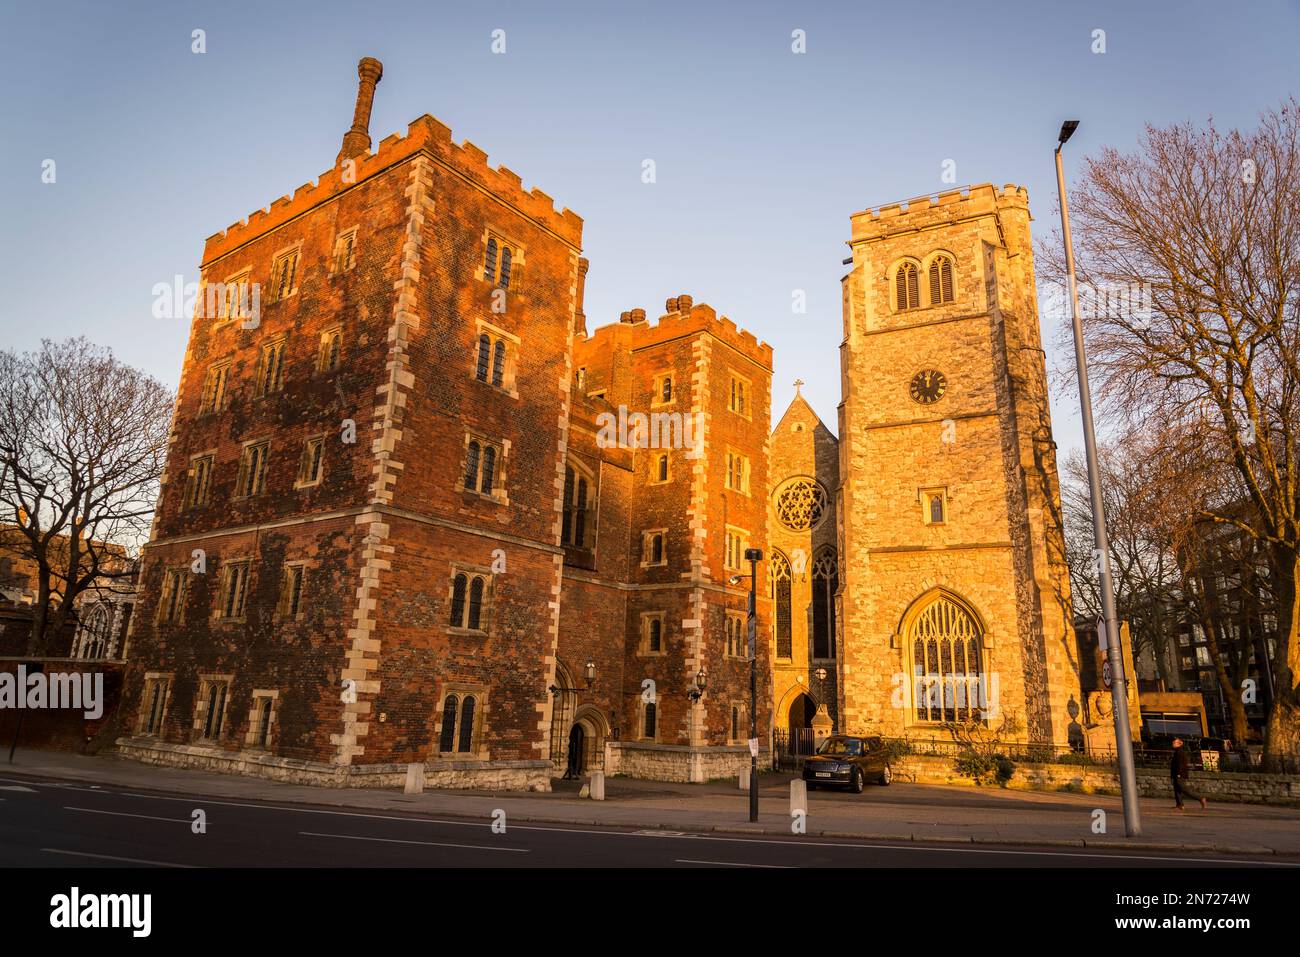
(1152, 782)
(456, 775)
(665, 762)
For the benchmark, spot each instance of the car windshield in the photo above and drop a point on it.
(846, 746)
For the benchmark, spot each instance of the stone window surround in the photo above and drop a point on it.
(647, 537)
(747, 398)
(460, 689)
(922, 265)
(485, 612)
(732, 454)
(654, 468)
(657, 391)
(241, 493)
(302, 482)
(233, 280)
(336, 268)
(282, 608)
(206, 681)
(742, 624)
(151, 678)
(643, 646)
(188, 502)
(640, 719)
(178, 575)
(218, 616)
(924, 496)
(276, 258)
(498, 494)
(743, 534)
(509, 384)
(517, 250)
(255, 718)
(322, 353)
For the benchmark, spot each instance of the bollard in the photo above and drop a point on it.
(798, 796)
(598, 785)
(414, 779)
(744, 777)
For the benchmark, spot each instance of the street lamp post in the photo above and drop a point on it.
(753, 556)
(1119, 681)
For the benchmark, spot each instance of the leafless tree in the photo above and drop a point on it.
(83, 440)
(1205, 225)
(1143, 568)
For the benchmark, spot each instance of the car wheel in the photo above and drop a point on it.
(886, 775)
(855, 782)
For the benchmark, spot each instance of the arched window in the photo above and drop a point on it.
(656, 549)
(450, 708)
(505, 268)
(489, 469)
(484, 354)
(580, 513)
(907, 289)
(936, 509)
(490, 260)
(663, 468)
(573, 525)
(666, 394)
(475, 617)
(651, 715)
(499, 363)
(940, 280)
(945, 640)
(735, 722)
(94, 637)
(458, 587)
(465, 742)
(471, 466)
(264, 724)
(656, 634)
(825, 583)
(779, 571)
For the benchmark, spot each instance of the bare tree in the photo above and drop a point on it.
(1143, 567)
(1205, 226)
(83, 440)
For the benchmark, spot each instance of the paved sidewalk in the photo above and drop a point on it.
(900, 812)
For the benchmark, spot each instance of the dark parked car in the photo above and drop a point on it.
(848, 760)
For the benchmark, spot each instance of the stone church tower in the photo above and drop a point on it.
(948, 506)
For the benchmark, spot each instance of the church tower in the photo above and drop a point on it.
(954, 600)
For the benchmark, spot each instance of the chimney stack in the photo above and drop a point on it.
(357, 140)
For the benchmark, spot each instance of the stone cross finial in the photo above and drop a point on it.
(797, 384)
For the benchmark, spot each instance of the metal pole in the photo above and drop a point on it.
(753, 690)
(1118, 680)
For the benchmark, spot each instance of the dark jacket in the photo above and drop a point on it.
(1179, 766)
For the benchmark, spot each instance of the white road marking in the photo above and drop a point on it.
(143, 817)
(28, 790)
(389, 840)
(682, 860)
(110, 857)
(1063, 852)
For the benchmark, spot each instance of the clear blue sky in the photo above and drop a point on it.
(761, 154)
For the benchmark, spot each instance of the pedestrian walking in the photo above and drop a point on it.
(1179, 774)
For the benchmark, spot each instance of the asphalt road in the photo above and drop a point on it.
(46, 823)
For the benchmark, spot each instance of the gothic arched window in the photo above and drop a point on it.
(484, 352)
(945, 640)
(907, 291)
(778, 569)
(940, 280)
(824, 585)
(499, 362)
(471, 466)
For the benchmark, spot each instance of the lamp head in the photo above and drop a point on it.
(1067, 130)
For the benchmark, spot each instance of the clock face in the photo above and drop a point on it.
(928, 386)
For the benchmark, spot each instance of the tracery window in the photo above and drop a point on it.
(946, 640)
(778, 569)
(825, 582)
(801, 504)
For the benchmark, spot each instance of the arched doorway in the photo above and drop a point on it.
(577, 752)
(802, 711)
